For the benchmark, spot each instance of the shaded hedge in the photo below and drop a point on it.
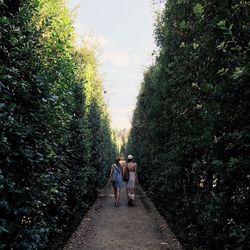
(190, 130)
(55, 136)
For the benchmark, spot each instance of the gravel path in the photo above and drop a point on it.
(109, 227)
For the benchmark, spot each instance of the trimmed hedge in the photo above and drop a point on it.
(190, 130)
(55, 136)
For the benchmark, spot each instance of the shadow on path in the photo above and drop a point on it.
(109, 227)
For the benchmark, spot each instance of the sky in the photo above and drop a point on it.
(124, 31)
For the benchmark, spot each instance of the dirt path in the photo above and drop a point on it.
(110, 227)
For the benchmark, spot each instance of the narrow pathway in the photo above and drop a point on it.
(109, 227)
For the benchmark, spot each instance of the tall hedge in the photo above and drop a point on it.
(190, 129)
(55, 136)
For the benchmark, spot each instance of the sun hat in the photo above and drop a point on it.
(130, 157)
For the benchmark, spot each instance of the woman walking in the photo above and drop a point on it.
(132, 177)
(116, 175)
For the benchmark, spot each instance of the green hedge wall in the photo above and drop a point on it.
(55, 136)
(190, 130)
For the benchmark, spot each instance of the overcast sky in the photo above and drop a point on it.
(124, 31)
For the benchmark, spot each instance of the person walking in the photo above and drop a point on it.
(116, 177)
(132, 178)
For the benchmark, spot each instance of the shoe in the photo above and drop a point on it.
(130, 203)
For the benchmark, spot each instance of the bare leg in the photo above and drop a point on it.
(129, 190)
(129, 200)
(115, 193)
(131, 196)
(118, 196)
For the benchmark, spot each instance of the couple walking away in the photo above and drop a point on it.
(124, 172)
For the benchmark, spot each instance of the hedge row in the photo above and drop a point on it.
(55, 136)
(191, 127)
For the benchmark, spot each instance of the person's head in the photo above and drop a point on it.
(130, 158)
(117, 160)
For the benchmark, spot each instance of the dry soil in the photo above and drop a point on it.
(109, 227)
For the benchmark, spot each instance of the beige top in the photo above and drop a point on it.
(132, 166)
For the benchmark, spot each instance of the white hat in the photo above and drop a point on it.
(130, 157)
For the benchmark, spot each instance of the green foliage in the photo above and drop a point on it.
(53, 129)
(190, 131)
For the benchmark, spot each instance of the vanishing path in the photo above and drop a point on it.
(109, 227)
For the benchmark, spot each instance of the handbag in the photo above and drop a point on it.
(126, 174)
(113, 177)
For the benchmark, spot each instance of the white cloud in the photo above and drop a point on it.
(115, 57)
(124, 110)
(121, 58)
(83, 34)
(128, 74)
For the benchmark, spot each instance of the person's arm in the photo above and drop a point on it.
(111, 172)
(123, 171)
(136, 176)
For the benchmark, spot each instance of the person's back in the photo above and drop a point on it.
(130, 187)
(117, 172)
(116, 176)
(131, 166)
